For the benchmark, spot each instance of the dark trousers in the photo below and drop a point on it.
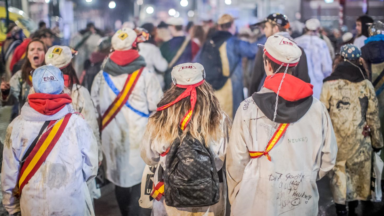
(128, 200)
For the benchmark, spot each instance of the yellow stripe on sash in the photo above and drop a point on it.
(185, 120)
(41, 151)
(277, 137)
(121, 99)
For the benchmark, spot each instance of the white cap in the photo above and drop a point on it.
(175, 21)
(58, 56)
(282, 50)
(123, 39)
(347, 37)
(312, 24)
(188, 73)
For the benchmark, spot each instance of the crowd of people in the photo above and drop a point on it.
(193, 120)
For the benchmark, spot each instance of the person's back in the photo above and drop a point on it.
(276, 153)
(51, 179)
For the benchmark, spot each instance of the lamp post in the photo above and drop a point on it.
(7, 12)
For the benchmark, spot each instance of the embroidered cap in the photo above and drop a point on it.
(59, 56)
(376, 28)
(123, 39)
(282, 51)
(312, 24)
(350, 52)
(188, 74)
(48, 79)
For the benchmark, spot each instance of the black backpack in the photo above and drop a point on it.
(190, 178)
(210, 58)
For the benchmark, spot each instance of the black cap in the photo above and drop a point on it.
(275, 18)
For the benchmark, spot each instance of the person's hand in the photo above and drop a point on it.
(5, 86)
(367, 131)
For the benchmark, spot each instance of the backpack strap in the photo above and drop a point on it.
(272, 142)
(179, 52)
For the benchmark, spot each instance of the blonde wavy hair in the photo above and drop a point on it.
(205, 125)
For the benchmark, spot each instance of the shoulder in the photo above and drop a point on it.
(247, 107)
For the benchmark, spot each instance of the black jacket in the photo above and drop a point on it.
(258, 75)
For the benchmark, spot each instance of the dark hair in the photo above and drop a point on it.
(90, 25)
(27, 67)
(198, 32)
(70, 71)
(211, 32)
(189, 26)
(276, 66)
(162, 24)
(280, 27)
(226, 26)
(42, 33)
(179, 28)
(42, 24)
(365, 19)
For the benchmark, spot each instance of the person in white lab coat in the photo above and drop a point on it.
(125, 92)
(277, 152)
(152, 55)
(362, 25)
(50, 180)
(318, 55)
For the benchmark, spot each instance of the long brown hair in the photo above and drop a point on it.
(70, 71)
(198, 32)
(27, 67)
(205, 124)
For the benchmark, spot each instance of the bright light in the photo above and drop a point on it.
(47, 1)
(172, 12)
(184, 3)
(150, 10)
(191, 13)
(112, 4)
(177, 14)
(88, 1)
(228, 2)
(328, 1)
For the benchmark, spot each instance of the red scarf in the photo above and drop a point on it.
(190, 91)
(124, 57)
(66, 81)
(48, 104)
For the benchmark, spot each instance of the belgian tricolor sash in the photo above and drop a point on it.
(275, 138)
(41, 150)
(121, 98)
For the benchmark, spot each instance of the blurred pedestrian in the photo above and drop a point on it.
(58, 160)
(362, 24)
(221, 56)
(373, 54)
(324, 35)
(93, 65)
(198, 35)
(318, 55)
(163, 34)
(124, 93)
(297, 27)
(152, 55)
(18, 88)
(61, 57)
(281, 142)
(201, 137)
(14, 38)
(180, 49)
(351, 100)
(85, 42)
(42, 25)
(274, 25)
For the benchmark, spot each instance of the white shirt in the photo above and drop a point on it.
(359, 41)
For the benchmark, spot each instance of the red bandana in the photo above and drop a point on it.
(48, 104)
(190, 91)
(124, 57)
(66, 80)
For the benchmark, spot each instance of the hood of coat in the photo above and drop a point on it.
(347, 71)
(115, 69)
(30, 114)
(295, 98)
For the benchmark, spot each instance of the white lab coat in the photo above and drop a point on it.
(122, 136)
(318, 59)
(150, 152)
(154, 60)
(287, 184)
(59, 185)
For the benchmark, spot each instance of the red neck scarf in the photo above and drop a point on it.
(48, 104)
(124, 57)
(66, 81)
(190, 91)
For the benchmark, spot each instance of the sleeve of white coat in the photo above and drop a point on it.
(219, 148)
(92, 117)
(95, 91)
(153, 91)
(147, 153)
(237, 154)
(326, 61)
(88, 147)
(158, 60)
(329, 148)
(9, 174)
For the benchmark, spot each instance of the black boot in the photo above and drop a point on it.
(341, 210)
(352, 207)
